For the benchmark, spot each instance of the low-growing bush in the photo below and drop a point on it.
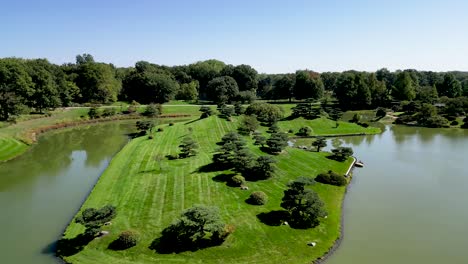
(237, 180)
(302, 179)
(454, 123)
(172, 156)
(304, 131)
(160, 129)
(258, 198)
(171, 124)
(331, 178)
(110, 111)
(126, 239)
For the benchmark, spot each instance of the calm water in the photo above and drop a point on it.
(42, 190)
(408, 205)
(410, 202)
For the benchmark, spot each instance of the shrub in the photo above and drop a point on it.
(237, 180)
(365, 125)
(258, 198)
(331, 178)
(171, 124)
(160, 129)
(304, 131)
(290, 131)
(356, 118)
(172, 156)
(267, 113)
(454, 123)
(303, 180)
(93, 113)
(380, 112)
(126, 239)
(153, 110)
(110, 111)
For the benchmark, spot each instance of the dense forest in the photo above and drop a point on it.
(36, 85)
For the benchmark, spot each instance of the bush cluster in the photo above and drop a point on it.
(331, 178)
(258, 198)
(126, 239)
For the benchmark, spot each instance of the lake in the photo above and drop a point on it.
(407, 205)
(42, 190)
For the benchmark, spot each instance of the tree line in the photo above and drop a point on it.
(35, 85)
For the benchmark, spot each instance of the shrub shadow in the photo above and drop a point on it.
(211, 167)
(226, 178)
(273, 218)
(164, 245)
(70, 246)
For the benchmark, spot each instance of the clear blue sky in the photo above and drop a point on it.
(272, 36)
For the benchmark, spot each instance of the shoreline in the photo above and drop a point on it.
(338, 241)
(35, 133)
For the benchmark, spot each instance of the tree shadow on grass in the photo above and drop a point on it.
(273, 218)
(226, 178)
(192, 121)
(163, 245)
(212, 167)
(70, 246)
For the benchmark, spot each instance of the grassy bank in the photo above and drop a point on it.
(150, 193)
(15, 139)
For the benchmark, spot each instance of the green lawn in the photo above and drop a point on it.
(10, 148)
(149, 195)
(323, 126)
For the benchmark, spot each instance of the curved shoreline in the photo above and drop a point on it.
(34, 133)
(338, 241)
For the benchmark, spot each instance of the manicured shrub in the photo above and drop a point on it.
(110, 111)
(153, 110)
(171, 124)
(290, 131)
(303, 180)
(331, 178)
(258, 198)
(454, 123)
(93, 113)
(304, 131)
(126, 239)
(237, 180)
(160, 129)
(380, 112)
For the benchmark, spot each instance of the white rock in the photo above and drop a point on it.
(312, 244)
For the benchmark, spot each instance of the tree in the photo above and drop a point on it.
(93, 112)
(304, 205)
(238, 108)
(149, 84)
(237, 180)
(405, 87)
(283, 87)
(188, 91)
(144, 126)
(226, 111)
(231, 144)
(15, 87)
(264, 168)
(308, 85)
(206, 111)
(450, 86)
(267, 113)
(304, 131)
(305, 110)
(245, 76)
(195, 224)
(342, 153)
(45, 93)
(188, 147)
(97, 82)
(274, 128)
(259, 139)
(93, 219)
(319, 143)
(248, 125)
(153, 110)
(205, 71)
(223, 89)
(427, 94)
(126, 239)
(257, 198)
(277, 142)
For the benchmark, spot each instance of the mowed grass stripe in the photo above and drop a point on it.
(149, 201)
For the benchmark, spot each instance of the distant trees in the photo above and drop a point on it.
(304, 206)
(93, 219)
(308, 85)
(267, 113)
(222, 89)
(449, 86)
(405, 87)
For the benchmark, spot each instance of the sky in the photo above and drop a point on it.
(271, 36)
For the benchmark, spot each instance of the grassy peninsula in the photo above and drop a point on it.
(150, 191)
